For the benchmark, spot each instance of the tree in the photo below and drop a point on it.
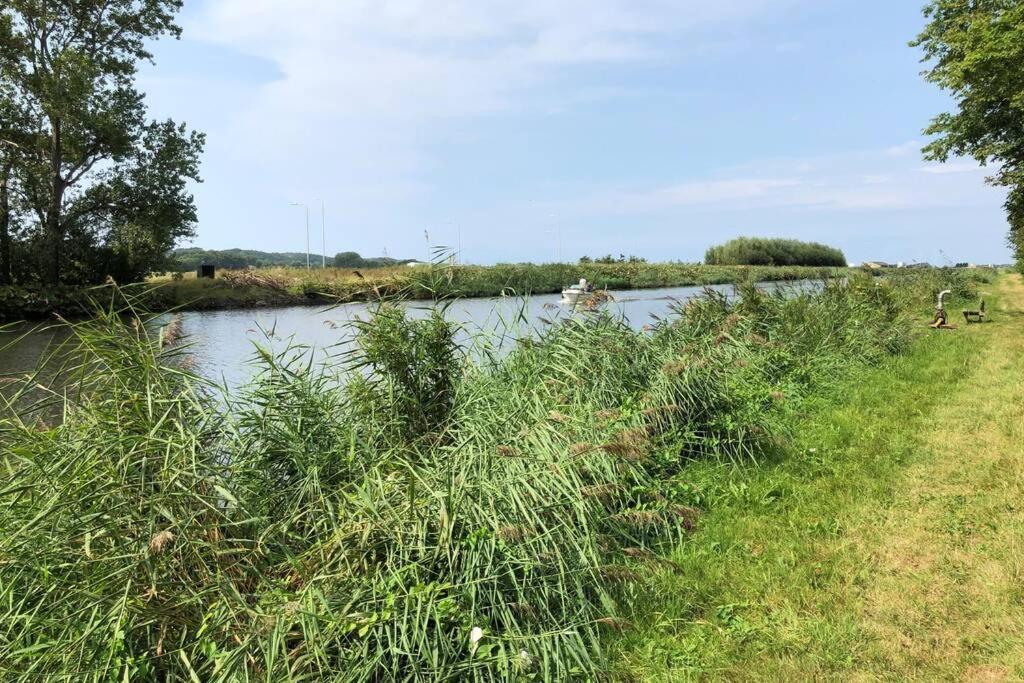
(70, 66)
(11, 140)
(975, 49)
(6, 181)
(348, 259)
(143, 208)
(7, 155)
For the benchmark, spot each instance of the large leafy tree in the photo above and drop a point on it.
(975, 50)
(9, 152)
(105, 188)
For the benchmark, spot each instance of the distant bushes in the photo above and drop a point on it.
(528, 278)
(757, 251)
(192, 257)
(352, 259)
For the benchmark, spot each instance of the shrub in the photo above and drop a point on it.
(756, 251)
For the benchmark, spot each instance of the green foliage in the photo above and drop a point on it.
(411, 367)
(421, 517)
(757, 251)
(528, 278)
(975, 51)
(101, 191)
(191, 258)
(608, 258)
(350, 259)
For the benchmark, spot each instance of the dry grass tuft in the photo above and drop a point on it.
(160, 542)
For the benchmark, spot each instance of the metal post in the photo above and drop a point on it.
(323, 233)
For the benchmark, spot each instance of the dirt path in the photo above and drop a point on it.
(945, 600)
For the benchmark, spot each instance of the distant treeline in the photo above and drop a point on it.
(350, 259)
(756, 251)
(191, 258)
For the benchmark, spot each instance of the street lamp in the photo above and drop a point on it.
(307, 230)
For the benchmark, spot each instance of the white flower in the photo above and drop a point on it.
(475, 635)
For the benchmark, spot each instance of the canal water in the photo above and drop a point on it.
(222, 343)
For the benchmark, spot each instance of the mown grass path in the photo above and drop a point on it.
(945, 599)
(887, 544)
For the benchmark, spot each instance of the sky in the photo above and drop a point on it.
(538, 130)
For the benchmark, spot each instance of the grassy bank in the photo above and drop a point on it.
(432, 517)
(277, 286)
(297, 286)
(882, 542)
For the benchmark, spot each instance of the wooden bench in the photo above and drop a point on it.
(977, 316)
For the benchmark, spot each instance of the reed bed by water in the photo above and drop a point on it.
(278, 286)
(432, 518)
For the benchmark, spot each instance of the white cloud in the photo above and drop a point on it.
(911, 147)
(868, 181)
(953, 167)
(372, 84)
(706, 193)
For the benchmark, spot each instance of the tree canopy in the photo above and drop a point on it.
(756, 251)
(89, 186)
(975, 50)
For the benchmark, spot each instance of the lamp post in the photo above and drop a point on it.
(307, 230)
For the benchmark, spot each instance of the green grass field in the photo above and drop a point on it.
(882, 543)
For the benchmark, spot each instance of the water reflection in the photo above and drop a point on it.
(222, 342)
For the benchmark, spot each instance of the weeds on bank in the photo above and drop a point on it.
(434, 517)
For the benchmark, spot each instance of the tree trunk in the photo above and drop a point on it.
(54, 225)
(5, 224)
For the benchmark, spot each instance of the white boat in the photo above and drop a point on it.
(579, 293)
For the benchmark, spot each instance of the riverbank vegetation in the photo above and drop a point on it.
(438, 512)
(255, 288)
(757, 251)
(188, 259)
(277, 286)
(880, 544)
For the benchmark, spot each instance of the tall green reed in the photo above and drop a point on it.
(434, 516)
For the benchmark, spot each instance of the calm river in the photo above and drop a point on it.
(222, 343)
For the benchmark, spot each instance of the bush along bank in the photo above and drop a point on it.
(433, 517)
(762, 251)
(270, 287)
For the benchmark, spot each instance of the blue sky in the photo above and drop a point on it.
(648, 127)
